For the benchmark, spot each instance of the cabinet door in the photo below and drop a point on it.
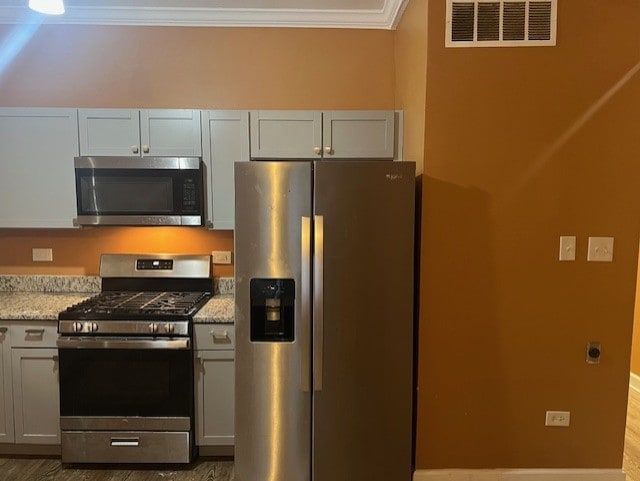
(172, 132)
(37, 183)
(286, 134)
(109, 132)
(215, 398)
(359, 134)
(36, 395)
(225, 135)
(6, 395)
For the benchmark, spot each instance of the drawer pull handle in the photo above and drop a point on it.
(220, 335)
(3, 330)
(131, 442)
(39, 332)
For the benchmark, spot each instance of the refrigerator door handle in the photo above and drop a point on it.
(305, 324)
(318, 301)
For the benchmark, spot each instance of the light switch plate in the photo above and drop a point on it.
(567, 248)
(42, 254)
(221, 257)
(600, 249)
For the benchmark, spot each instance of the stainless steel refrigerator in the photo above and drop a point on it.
(324, 320)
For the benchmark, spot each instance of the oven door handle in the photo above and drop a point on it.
(90, 343)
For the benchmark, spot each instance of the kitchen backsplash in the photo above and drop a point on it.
(223, 285)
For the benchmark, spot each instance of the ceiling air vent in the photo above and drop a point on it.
(501, 23)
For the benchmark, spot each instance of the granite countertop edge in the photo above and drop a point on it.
(42, 297)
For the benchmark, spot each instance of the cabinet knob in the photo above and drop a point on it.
(145, 149)
(328, 150)
(134, 149)
(317, 150)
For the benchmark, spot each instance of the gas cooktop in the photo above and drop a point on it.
(142, 295)
(137, 305)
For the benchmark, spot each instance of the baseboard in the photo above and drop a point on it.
(519, 475)
(29, 449)
(634, 382)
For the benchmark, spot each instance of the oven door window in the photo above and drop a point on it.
(124, 382)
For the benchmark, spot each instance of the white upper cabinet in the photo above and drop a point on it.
(286, 134)
(171, 132)
(135, 133)
(37, 182)
(331, 134)
(109, 132)
(351, 134)
(225, 135)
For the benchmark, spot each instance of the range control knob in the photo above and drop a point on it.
(94, 327)
(169, 328)
(153, 327)
(77, 327)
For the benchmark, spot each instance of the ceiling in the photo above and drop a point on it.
(378, 14)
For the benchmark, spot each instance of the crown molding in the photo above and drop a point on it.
(384, 18)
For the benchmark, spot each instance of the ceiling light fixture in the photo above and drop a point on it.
(49, 7)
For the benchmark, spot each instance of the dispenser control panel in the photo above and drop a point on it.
(272, 310)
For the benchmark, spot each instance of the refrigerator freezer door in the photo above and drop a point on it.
(362, 415)
(273, 400)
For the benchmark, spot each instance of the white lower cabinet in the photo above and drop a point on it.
(6, 397)
(29, 407)
(215, 385)
(36, 395)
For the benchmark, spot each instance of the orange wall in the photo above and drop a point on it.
(635, 344)
(156, 67)
(218, 68)
(523, 145)
(78, 251)
(411, 78)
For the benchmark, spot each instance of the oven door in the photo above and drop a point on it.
(141, 384)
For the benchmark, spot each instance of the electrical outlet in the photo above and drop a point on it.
(557, 418)
(42, 254)
(221, 257)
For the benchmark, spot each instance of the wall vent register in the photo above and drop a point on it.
(503, 23)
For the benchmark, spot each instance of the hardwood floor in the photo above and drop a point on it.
(631, 462)
(38, 469)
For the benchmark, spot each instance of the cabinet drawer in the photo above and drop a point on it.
(125, 447)
(34, 335)
(214, 337)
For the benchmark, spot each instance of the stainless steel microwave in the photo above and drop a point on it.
(139, 191)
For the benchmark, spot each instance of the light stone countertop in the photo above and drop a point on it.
(219, 310)
(43, 297)
(37, 305)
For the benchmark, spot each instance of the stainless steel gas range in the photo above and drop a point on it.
(126, 362)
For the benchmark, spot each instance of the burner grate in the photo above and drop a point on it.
(143, 302)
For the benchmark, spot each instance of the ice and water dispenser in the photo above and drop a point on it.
(272, 310)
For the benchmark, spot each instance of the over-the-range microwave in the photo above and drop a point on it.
(139, 191)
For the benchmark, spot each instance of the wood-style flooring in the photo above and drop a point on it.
(38, 469)
(631, 462)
